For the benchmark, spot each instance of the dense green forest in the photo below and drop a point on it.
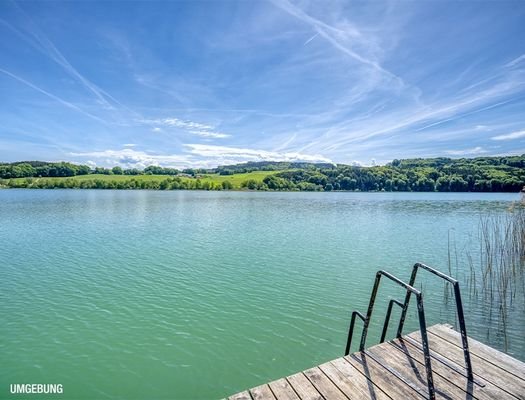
(482, 174)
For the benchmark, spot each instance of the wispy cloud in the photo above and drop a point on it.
(176, 122)
(516, 61)
(347, 38)
(467, 152)
(52, 96)
(210, 134)
(32, 34)
(510, 136)
(236, 154)
(412, 120)
(131, 158)
(310, 39)
(194, 128)
(482, 128)
(284, 145)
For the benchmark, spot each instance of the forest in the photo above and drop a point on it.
(481, 174)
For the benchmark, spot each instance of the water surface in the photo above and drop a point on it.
(147, 294)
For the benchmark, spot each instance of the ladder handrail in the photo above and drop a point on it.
(351, 330)
(387, 317)
(422, 324)
(459, 308)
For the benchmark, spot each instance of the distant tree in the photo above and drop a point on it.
(424, 184)
(274, 182)
(458, 184)
(227, 185)
(133, 171)
(443, 184)
(22, 171)
(165, 184)
(83, 170)
(250, 184)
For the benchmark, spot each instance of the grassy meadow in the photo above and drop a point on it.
(103, 181)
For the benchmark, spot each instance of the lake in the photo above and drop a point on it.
(194, 294)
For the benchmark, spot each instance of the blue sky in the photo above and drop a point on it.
(205, 83)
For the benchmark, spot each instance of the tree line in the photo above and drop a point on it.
(170, 183)
(41, 169)
(482, 174)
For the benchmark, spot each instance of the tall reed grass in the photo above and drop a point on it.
(499, 274)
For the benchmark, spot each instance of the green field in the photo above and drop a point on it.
(215, 179)
(237, 179)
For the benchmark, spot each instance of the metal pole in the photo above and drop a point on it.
(387, 318)
(426, 349)
(407, 300)
(351, 331)
(463, 331)
(369, 311)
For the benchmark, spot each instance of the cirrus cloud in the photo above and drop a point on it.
(194, 128)
(510, 136)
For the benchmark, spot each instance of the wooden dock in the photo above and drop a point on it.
(396, 370)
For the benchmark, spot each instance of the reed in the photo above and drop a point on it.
(501, 270)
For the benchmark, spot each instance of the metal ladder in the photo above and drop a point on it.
(409, 287)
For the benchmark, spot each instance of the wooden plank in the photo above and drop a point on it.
(482, 368)
(383, 379)
(302, 386)
(262, 392)
(414, 374)
(282, 390)
(351, 382)
(241, 396)
(324, 385)
(481, 350)
(487, 392)
(396, 371)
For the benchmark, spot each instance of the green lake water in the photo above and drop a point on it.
(189, 294)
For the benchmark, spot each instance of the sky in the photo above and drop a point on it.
(207, 83)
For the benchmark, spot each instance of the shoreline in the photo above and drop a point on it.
(242, 190)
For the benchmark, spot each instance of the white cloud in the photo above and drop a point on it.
(510, 136)
(210, 134)
(482, 128)
(177, 123)
(197, 156)
(464, 152)
(129, 145)
(130, 158)
(235, 154)
(195, 128)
